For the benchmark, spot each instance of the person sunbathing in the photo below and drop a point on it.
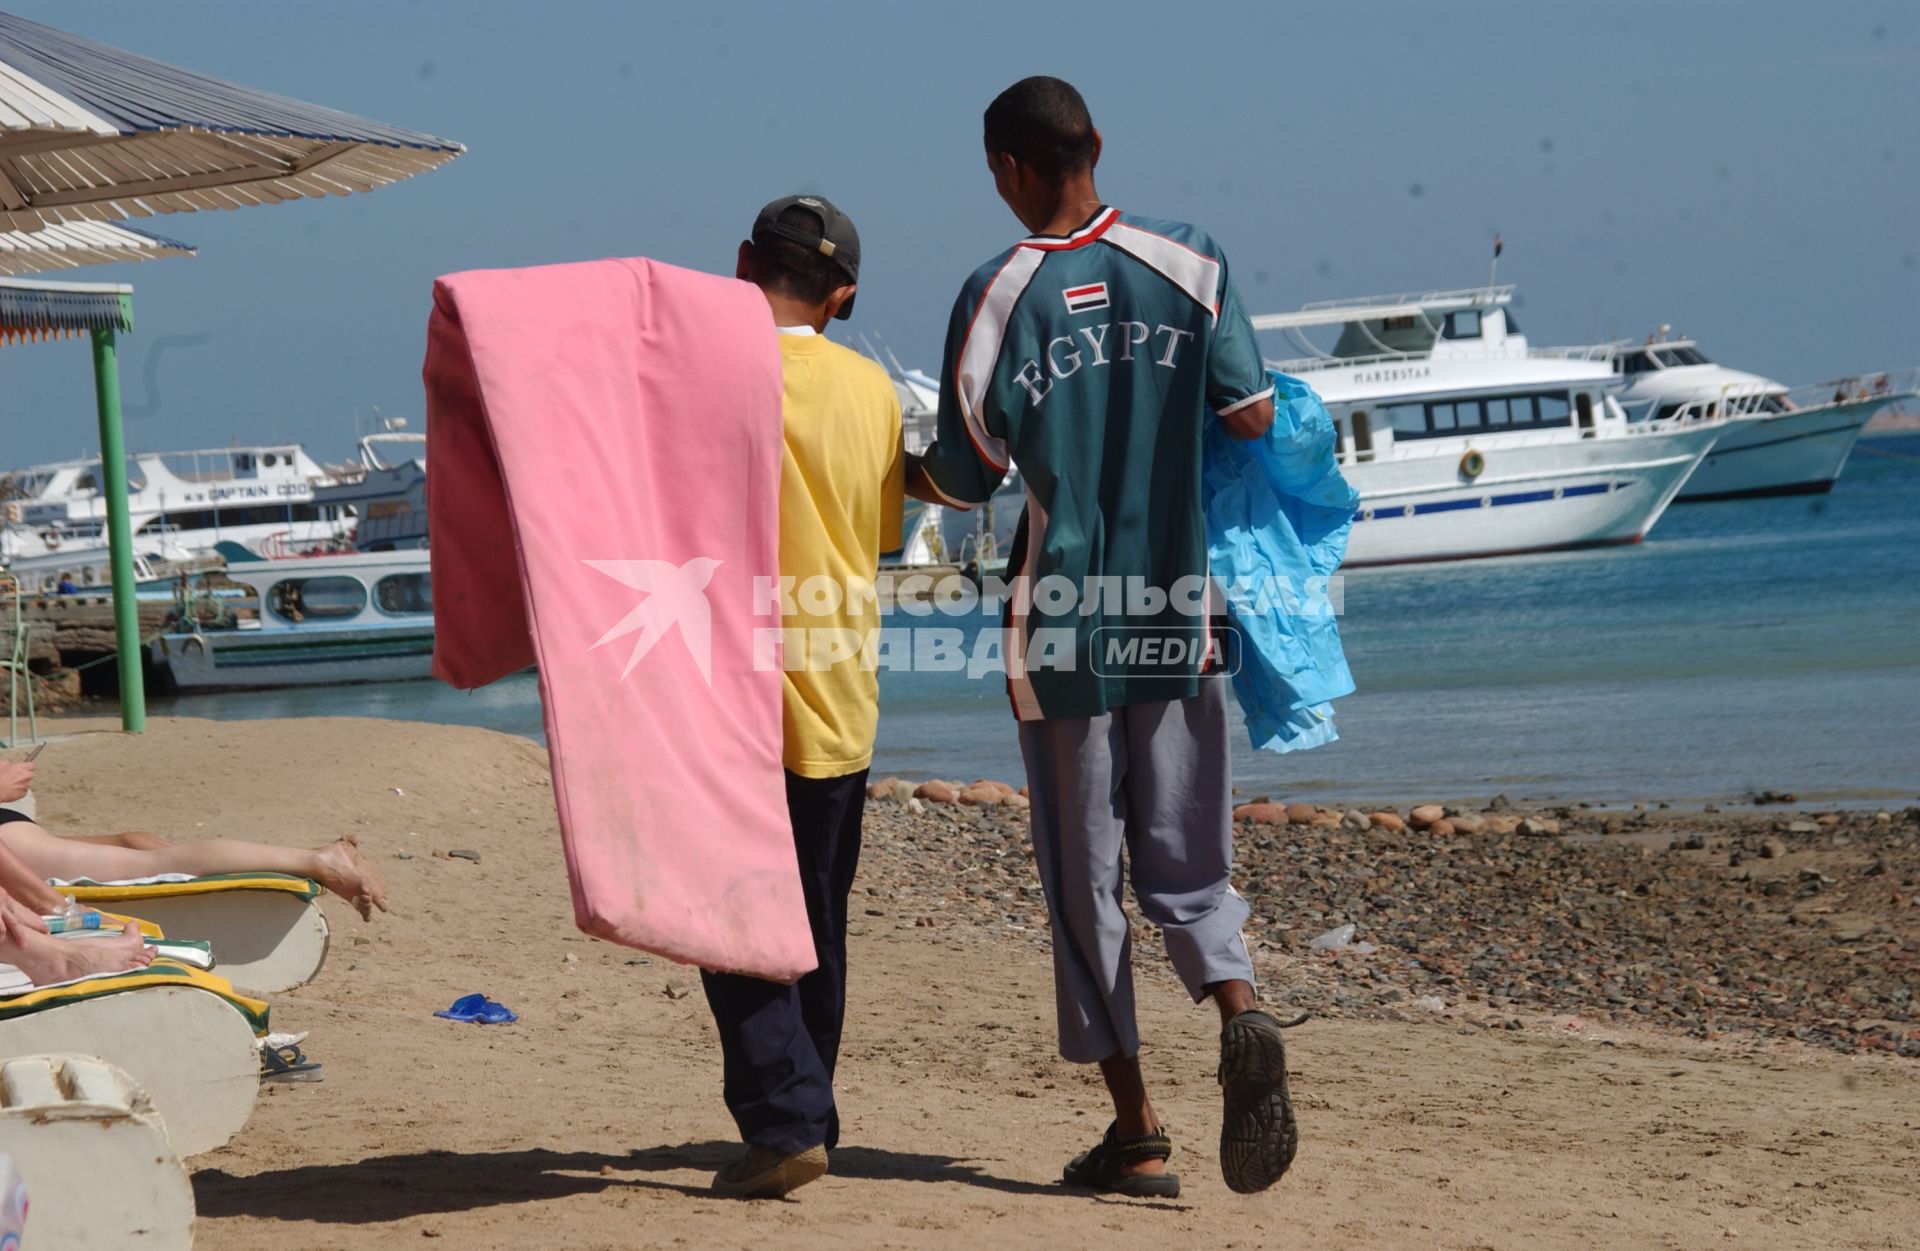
(29, 855)
(337, 866)
(26, 945)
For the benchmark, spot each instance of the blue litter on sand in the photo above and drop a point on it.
(479, 1009)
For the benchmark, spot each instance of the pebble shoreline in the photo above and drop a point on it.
(1745, 926)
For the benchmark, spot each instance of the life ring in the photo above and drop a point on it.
(1472, 465)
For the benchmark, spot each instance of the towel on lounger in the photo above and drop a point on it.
(603, 480)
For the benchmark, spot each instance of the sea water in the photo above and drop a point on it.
(1746, 645)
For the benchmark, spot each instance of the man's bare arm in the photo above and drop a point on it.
(920, 486)
(1250, 422)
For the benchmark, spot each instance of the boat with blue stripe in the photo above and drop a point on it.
(1465, 442)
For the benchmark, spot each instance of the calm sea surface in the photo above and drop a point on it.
(1745, 645)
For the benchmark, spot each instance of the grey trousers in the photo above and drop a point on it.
(1152, 780)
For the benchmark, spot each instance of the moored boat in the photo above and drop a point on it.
(1778, 442)
(1466, 442)
(324, 620)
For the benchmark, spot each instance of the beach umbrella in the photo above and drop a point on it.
(91, 133)
(81, 243)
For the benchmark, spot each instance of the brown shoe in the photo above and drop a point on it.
(763, 1173)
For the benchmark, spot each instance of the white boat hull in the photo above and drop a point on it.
(1547, 497)
(1796, 453)
(252, 659)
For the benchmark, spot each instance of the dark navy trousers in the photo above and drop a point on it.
(780, 1042)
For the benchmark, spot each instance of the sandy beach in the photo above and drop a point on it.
(1548, 1113)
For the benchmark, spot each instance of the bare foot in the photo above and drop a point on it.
(340, 869)
(46, 960)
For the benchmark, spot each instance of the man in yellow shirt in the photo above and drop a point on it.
(840, 507)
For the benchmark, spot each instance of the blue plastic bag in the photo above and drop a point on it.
(1278, 515)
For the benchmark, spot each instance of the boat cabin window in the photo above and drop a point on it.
(1464, 324)
(402, 593)
(316, 599)
(1637, 362)
(1537, 410)
(1683, 356)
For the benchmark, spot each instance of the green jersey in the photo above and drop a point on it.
(1090, 361)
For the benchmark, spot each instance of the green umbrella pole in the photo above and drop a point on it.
(113, 475)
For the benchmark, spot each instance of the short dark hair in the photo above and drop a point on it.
(1043, 123)
(793, 269)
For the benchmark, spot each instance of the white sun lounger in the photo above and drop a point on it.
(99, 1169)
(183, 1035)
(266, 931)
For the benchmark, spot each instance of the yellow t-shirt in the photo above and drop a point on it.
(840, 506)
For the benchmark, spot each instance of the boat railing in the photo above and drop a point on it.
(1892, 384)
(1312, 364)
(1588, 352)
(1458, 297)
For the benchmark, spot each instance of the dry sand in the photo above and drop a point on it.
(596, 1121)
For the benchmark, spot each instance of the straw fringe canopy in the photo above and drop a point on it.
(92, 133)
(81, 243)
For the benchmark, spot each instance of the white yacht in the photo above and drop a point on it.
(180, 505)
(1779, 442)
(1465, 442)
(321, 621)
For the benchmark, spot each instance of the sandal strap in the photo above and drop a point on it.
(1124, 1151)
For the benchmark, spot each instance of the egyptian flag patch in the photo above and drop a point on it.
(1085, 299)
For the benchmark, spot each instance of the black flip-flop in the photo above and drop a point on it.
(1102, 1167)
(1258, 1136)
(288, 1064)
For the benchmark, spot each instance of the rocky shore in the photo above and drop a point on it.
(1751, 925)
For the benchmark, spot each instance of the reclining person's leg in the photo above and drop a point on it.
(337, 867)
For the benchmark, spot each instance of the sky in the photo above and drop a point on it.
(1746, 172)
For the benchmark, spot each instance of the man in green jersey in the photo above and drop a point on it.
(1091, 354)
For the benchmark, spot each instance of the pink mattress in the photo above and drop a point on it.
(604, 449)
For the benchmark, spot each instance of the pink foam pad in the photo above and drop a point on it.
(604, 449)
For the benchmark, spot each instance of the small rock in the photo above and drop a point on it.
(1354, 819)
(1302, 814)
(1467, 823)
(883, 789)
(569, 958)
(1772, 849)
(1326, 821)
(914, 805)
(1443, 828)
(982, 795)
(1499, 803)
(1711, 808)
(936, 792)
(1261, 814)
(1537, 827)
(1386, 821)
(1425, 815)
(1016, 801)
(1802, 827)
(462, 853)
(675, 990)
(403, 855)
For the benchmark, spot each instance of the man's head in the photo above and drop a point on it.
(1039, 138)
(805, 255)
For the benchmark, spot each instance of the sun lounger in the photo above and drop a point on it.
(265, 929)
(184, 1035)
(95, 1156)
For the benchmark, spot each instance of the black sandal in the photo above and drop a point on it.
(1102, 1168)
(1258, 1136)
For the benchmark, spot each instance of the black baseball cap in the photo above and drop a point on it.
(836, 239)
